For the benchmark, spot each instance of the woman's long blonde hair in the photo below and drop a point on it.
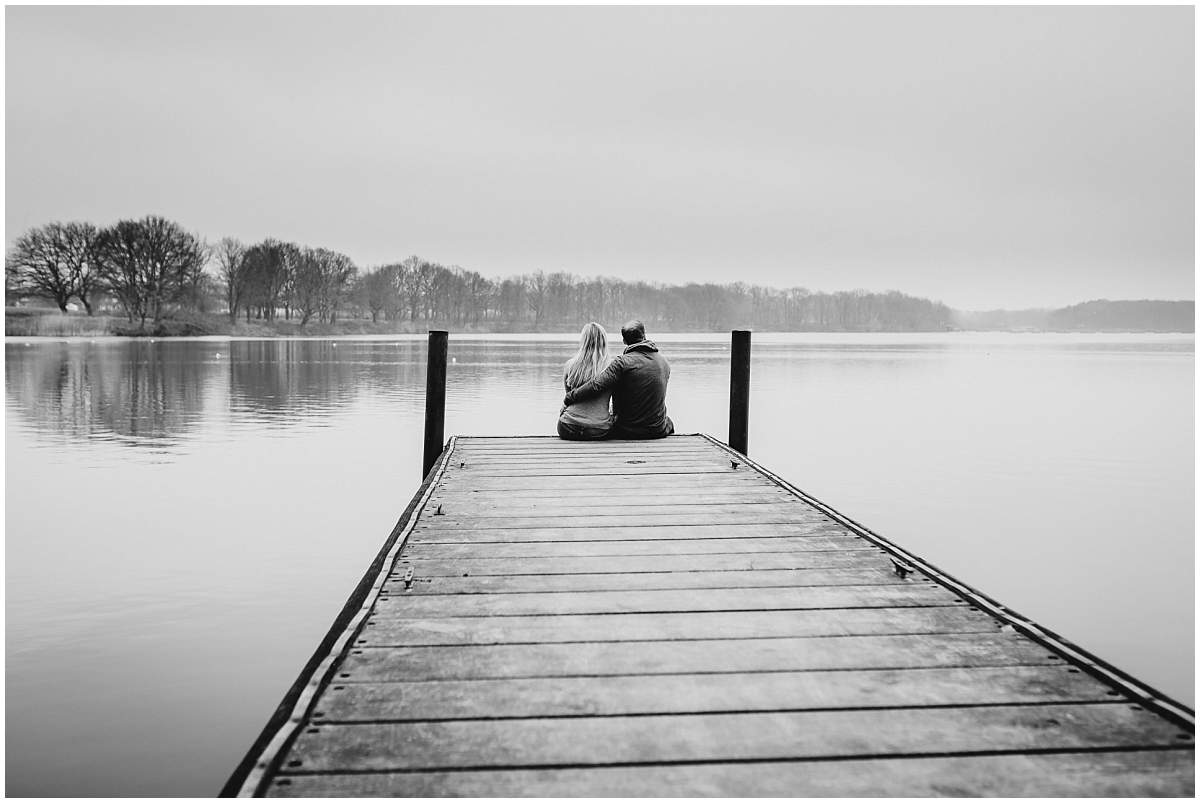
(592, 357)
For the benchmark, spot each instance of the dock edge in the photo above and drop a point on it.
(282, 728)
(1147, 696)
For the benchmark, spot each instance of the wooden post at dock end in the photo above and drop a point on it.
(739, 391)
(435, 399)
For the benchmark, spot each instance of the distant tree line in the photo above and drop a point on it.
(148, 266)
(418, 290)
(1124, 316)
(1100, 315)
(265, 278)
(152, 268)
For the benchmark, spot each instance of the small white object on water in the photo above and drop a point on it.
(454, 360)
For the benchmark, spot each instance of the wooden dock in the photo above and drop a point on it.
(667, 618)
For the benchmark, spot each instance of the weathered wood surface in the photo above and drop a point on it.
(674, 738)
(646, 619)
(648, 657)
(627, 547)
(427, 568)
(678, 626)
(1092, 774)
(643, 581)
(664, 694)
(402, 606)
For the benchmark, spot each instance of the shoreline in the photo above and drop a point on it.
(572, 336)
(44, 325)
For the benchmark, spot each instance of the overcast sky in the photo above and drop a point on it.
(987, 157)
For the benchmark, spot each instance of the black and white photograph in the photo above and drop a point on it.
(599, 401)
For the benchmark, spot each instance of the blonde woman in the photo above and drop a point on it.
(587, 420)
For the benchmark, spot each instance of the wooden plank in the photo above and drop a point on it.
(588, 497)
(613, 454)
(553, 469)
(582, 458)
(590, 530)
(1166, 773)
(625, 489)
(606, 486)
(674, 657)
(446, 631)
(588, 448)
(624, 483)
(603, 453)
(648, 530)
(417, 548)
(589, 505)
(621, 564)
(535, 442)
(651, 518)
(710, 461)
(543, 443)
(464, 515)
(647, 581)
(547, 443)
(471, 509)
(630, 457)
(680, 694)
(632, 466)
(401, 605)
(725, 737)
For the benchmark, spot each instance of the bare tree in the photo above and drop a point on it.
(56, 261)
(410, 284)
(306, 284)
(269, 268)
(148, 264)
(232, 266)
(536, 286)
(338, 271)
(319, 282)
(376, 290)
(397, 299)
(479, 292)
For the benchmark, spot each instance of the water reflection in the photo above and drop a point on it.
(137, 394)
(270, 380)
(151, 394)
(193, 500)
(154, 394)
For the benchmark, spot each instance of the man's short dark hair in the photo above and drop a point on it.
(633, 332)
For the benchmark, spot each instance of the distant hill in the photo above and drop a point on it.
(1091, 316)
(1126, 316)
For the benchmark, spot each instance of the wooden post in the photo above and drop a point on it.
(739, 391)
(435, 399)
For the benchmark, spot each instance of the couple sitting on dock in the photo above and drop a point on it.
(635, 382)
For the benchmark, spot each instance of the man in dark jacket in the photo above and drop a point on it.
(638, 379)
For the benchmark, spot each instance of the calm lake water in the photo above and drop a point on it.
(185, 518)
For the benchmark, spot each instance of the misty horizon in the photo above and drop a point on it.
(988, 158)
(644, 309)
(583, 278)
